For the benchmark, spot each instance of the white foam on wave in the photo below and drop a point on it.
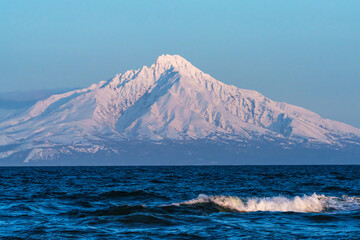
(313, 203)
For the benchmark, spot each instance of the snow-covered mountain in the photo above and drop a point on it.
(170, 104)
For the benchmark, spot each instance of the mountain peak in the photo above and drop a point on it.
(166, 62)
(172, 59)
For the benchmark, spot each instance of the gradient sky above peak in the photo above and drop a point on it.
(302, 52)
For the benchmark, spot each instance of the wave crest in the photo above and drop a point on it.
(313, 203)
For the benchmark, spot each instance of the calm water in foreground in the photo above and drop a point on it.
(214, 202)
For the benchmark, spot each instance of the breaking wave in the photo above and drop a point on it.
(313, 203)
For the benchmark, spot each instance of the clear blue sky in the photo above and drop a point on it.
(301, 52)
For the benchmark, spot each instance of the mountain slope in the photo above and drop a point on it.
(169, 101)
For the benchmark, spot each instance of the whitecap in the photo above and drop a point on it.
(307, 203)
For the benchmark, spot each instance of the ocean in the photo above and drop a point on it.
(180, 202)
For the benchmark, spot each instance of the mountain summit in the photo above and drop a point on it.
(166, 111)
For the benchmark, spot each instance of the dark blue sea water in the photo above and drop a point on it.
(213, 202)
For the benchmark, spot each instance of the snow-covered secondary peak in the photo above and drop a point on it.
(170, 100)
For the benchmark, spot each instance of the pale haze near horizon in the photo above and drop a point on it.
(305, 53)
